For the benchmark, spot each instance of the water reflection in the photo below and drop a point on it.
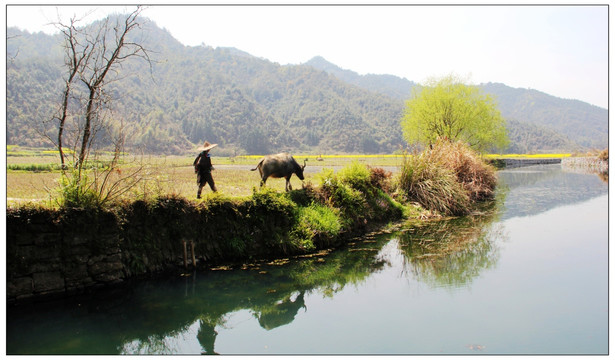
(451, 253)
(281, 313)
(143, 317)
(537, 189)
(150, 317)
(188, 314)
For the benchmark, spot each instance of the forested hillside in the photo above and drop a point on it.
(581, 122)
(389, 85)
(193, 94)
(223, 95)
(536, 121)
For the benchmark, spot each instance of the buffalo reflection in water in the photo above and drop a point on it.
(150, 316)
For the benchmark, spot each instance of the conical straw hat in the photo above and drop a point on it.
(207, 146)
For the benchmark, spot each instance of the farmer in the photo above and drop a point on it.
(203, 168)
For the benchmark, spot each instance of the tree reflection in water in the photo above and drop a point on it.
(451, 253)
(441, 253)
(185, 315)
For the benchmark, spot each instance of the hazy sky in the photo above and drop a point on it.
(560, 50)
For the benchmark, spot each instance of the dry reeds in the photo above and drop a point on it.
(478, 178)
(447, 178)
(433, 186)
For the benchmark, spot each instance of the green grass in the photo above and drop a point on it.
(34, 167)
(316, 222)
(355, 174)
(35, 177)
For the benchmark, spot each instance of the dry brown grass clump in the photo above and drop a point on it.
(477, 177)
(447, 178)
(604, 155)
(433, 186)
(380, 178)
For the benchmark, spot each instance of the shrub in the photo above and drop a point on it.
(269, 200)
(316, 222)
(447, 177)
(350, 201)
(477, 177)
(77, 191)
(380, 179)
(355, 174)
(604, 155)
(433, 186)
(326, 177)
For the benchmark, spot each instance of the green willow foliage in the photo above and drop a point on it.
(447, 108)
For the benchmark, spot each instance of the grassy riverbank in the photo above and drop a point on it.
(56, 247)
(67, 250)
(444, 180)
(33, 175)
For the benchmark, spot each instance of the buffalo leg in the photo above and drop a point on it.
(288, 185)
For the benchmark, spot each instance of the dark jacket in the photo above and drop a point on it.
(202, 163)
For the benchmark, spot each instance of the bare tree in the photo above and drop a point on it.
(93, 58)
(13, 56)
(74, 57)
(109, 48)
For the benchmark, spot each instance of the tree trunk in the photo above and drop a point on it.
(86, 129)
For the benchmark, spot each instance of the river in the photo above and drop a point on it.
(528, 276)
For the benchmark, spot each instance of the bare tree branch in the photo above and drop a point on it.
(94, 58)
(104, 61)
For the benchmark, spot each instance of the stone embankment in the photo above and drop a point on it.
(59, 252)
(49, 254)
(515, 163)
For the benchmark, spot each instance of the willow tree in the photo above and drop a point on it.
(448, 109)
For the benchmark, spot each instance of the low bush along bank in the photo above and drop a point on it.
(447, 178)
(149, 236)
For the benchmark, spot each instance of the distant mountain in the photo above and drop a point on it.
(389, 85)
(250, 105)
(581, 122)
(223, 95)
(531, 138)
(547, 122)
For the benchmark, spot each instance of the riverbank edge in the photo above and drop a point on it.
(69, 251)
(515, 163)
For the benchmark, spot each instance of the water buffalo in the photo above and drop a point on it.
(279, 166)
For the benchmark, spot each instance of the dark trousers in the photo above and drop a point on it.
(205, 178)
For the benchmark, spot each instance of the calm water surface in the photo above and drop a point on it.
(530, 276)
